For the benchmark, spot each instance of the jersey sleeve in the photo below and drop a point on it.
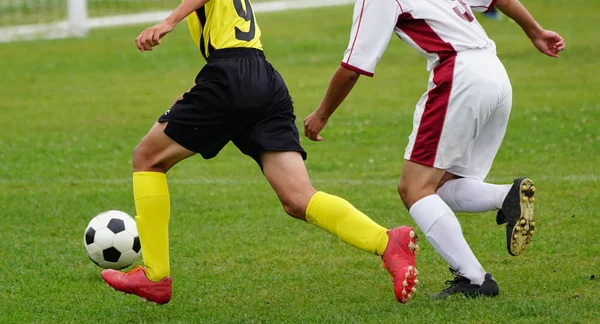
(372, 28)
(481, 5)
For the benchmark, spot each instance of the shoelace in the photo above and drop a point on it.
(134, 270)
(454, 281)
(457, 279)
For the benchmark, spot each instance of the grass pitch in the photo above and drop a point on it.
(72, 110)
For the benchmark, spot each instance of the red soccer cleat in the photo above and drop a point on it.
(399, 260)
(135, 282)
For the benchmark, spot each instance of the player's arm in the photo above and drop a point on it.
(374, 22)
(341, 84)
(151, 36)
(546, 41)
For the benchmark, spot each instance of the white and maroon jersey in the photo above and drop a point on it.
(436, 28)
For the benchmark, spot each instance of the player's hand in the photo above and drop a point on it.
(313, 125)
(151, 36)
(548, 42)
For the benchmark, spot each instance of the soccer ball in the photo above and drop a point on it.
(111, 240)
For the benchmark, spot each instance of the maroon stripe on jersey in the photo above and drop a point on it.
(491, 6)
(362, 9)
(355, 69)
(423, 35)
(432, 120)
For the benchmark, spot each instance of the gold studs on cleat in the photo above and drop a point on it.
(523, 228)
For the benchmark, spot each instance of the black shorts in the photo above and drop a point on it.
(238, 97)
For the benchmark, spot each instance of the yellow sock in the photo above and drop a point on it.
(153, 212)
(339, 217)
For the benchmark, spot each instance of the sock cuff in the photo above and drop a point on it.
(428, 210)
(312, 205)
(149, 184)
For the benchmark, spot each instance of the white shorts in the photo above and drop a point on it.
(460, 121)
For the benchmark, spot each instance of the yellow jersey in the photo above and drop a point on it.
(224, 24)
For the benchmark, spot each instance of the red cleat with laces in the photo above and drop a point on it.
(399, 260)
(135, 282)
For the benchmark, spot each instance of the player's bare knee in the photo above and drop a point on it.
(403, 189)
(145, 159)
(411, 192)
(294, 209)
(294, 206)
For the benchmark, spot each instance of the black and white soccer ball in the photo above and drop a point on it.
(111, 240)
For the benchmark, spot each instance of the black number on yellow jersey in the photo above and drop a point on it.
(247, 15)
(223, 24)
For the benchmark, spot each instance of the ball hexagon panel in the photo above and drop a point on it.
(104, 238)
(109, 265)
(100, 221)
(128, 258)
(116, 225)
(94, 252)
(123, 241)
(130, 226)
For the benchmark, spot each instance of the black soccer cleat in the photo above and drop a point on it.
(463, 285)
(517, 213)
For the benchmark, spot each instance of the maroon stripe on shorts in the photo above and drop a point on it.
(432, 121)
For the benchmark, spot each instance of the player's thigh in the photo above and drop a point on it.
(487, 143)
(157, 151)
(287, 175)
(202, 120)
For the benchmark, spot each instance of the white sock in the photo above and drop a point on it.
(443, 231)
(473, 196)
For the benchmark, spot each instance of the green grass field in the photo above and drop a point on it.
(71, 112)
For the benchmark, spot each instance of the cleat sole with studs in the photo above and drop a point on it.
(524, 230)
(410, 277)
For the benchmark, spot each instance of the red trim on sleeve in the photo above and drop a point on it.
(492, 4)
(362, 9)
(355, 69)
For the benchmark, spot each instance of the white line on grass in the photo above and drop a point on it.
(63, 28)
(584, 178)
